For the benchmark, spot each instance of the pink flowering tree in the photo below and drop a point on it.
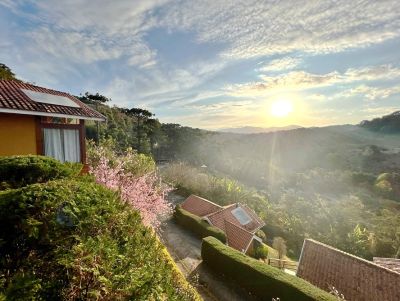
(133, 176)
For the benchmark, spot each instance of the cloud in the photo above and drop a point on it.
(302, 80)
(285, 63)
(371, 93)
(256, 28)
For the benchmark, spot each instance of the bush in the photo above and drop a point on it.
(198, 226)
(260, 279)
(76, 240)
(18, 171)
(260, 252)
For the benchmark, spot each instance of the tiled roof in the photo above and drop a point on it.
(218, 218)
(389, 263)
(14, 100)
(199, 206)
(357, 279)
(237, 237)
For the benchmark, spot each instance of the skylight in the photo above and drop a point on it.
(241, 216)
(50, 98)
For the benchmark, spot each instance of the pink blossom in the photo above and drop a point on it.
(144, 193)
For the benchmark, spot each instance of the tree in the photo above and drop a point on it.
(6, 73)
(95, 98)
(279, 244)
(142, 116)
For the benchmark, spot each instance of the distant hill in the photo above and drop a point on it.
(258, 130)
(385, 124)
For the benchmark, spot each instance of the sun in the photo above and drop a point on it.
(281, 108)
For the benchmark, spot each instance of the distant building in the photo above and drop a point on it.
(40, 121)
(356, 278)
(238, 221)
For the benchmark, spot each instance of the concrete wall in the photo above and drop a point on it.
(17, 135)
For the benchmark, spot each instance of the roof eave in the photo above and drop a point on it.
(36, 113)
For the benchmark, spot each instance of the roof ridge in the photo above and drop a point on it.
(204, 200)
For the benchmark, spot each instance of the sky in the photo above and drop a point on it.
(214, 64)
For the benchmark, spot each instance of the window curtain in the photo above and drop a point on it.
(62, 144)
(53, 146)
(72, 152)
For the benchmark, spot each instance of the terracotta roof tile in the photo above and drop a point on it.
(237, 237)
(199, 206)
(357, 279)
(13, 98)
(389, 263)
(218, 218)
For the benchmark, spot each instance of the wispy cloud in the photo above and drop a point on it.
(302, 80)
(254, 29)
(282, 64)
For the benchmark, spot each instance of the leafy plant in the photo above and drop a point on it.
(19, 171)
(75, 240)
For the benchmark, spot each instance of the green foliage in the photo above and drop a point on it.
(134, 163)
(220, 190)
(18, 171)
(386, 124)
(260, 251)
(198, 226)
(261, 280)
(6, 73)
(71, 239)
(388, 185)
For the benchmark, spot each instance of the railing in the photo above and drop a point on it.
(282, 264)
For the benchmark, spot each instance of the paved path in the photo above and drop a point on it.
(186, 251)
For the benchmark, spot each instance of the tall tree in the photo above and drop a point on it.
(142, 116)
(6, 73)
(95, 99)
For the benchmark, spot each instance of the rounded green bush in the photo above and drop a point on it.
(76, 240)
(19, 171)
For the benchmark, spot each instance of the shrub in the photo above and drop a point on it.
(76, 240)
(198, 226)
(260, 251)
(18, 171)
(261, 280)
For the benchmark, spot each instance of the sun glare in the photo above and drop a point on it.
(281, 108)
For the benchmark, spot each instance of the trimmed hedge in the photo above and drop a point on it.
(73, 239)
(260, 279)
(198, 226)
(19, 171)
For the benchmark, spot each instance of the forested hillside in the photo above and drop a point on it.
(337, 184)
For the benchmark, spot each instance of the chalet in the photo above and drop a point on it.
(40, 121)
(238, 221)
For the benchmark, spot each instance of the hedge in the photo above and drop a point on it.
(261, 280)
(75, 240)
(196, 225)
(19, 171)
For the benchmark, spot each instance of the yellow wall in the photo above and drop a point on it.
(17, 134)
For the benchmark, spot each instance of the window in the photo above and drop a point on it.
(241, 216)
(62, 144)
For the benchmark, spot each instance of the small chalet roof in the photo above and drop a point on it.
(199, 206)
(21, 98)
(228, 214)
(389, 263)
(237, 237)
